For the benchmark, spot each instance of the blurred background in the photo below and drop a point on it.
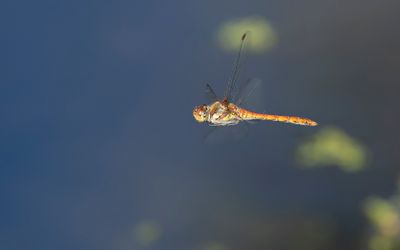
(99, 149)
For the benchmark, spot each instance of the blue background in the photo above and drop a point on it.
(96, 131)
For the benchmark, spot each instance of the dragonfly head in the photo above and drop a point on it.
(200, 113)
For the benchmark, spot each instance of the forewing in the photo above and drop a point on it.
(247, 92)
(210, 94)
(227, 134)
(237, 66)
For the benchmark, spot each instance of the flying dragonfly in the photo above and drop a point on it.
(227, 112)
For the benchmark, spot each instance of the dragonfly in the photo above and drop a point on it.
(226, 111)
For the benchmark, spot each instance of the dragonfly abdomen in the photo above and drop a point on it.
(249, 115)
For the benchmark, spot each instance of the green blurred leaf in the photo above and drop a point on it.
(384, 214)
(332, 146)
(262, 35)
(147, 233)
(215, 246)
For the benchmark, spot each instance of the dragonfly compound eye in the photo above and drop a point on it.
(200, 113)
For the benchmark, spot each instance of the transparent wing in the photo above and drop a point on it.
(227, 134)
(230, 88)
(210, 93)
(247, 92)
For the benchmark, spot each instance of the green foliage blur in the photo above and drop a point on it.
(261, 33)
(331, 146)
(384, 216)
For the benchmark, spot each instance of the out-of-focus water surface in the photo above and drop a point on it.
(99, 149)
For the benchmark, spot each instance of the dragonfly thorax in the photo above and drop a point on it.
(222, 114)
(219, 113)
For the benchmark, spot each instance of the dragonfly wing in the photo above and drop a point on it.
(210, 93)
(239, 61)
(247, 91)
(227, 134)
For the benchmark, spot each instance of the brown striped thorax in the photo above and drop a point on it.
(219, 113)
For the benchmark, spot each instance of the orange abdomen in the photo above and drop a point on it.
(249, 115)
